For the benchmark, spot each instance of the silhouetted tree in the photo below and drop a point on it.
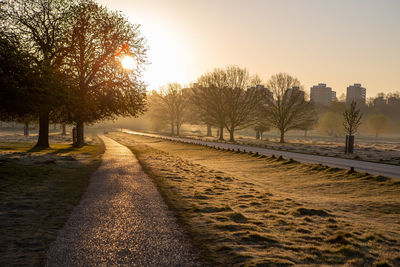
(260, 128)
(16, 78)
(63, 129)
(310, 124)
(94, 45)
(38, 26)
(224, 98)
(173, 105)
(287, 108)
(352, 120)
(208, 98)
(241, 100)
(156, 117)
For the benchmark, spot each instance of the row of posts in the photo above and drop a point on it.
(348, 149)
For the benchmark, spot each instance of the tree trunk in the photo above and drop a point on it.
(221, 133)
(305, 133)
(282, 140)
(351, 144)
(64, 129)
(209, 132)
(80, 137)
(177, 129)
(231, 135)
(26, 129)
(43, 139)
(261, 135)
(257, 135)
(172, 128)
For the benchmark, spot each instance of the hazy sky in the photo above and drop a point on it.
(338, 42)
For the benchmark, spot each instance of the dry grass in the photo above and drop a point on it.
(252, 210)
(38, 190)
(368, 149)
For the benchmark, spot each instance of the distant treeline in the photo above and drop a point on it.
(231, 99)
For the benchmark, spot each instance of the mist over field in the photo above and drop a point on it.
(199, 133)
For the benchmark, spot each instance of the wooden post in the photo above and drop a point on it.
(350, 148)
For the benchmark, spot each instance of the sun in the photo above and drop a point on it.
(128, 63)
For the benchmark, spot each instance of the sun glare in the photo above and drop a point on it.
(128, 63)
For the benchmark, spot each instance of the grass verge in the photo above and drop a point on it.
(38, 190)
(251, 210)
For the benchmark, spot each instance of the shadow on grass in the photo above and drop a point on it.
(57, 150)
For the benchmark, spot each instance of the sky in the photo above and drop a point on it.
(337, 42)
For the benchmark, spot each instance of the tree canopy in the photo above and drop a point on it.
(95, 42)
(73, 52)
(37, 25)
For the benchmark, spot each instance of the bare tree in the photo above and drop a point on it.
(260, 128)
(261, 123)
(241, 100)
(311, 124)
(224, 99)
(287, 109)
(173, 105)
(352, 120)
(208, 98)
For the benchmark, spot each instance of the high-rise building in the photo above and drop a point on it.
(334, 98)
(297, 91)
(262, 87)
(321, 94)
(356, 93)
(393, 101)
(379, 101)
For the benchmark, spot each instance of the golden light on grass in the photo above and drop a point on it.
(128, 62)
(248, 209)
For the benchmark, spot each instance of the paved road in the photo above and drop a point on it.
(361, 166)
(121, 221)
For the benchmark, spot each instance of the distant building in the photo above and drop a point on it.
(334, 98)
(295, 89)
(393, 101)
(321, 94)
(357, 93)
(261, 86)
(379, 101)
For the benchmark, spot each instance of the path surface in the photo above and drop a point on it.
(121, 220)
(361, 166)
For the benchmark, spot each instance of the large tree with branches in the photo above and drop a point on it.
(225, 98)
(208, 99)
(172, 103)
(95, 43)
(287, 109)
(37, 25)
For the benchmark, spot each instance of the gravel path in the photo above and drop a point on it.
(362, 166)
(121, 221)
